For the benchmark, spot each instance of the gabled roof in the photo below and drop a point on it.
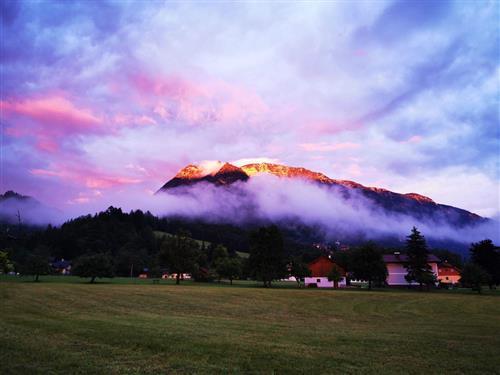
(445, 267)
(61, 263)
(403, 258)
(321, 258)
(322, 266)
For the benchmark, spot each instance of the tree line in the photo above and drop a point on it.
(127, 244)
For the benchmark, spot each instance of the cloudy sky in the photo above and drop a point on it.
(105, 100)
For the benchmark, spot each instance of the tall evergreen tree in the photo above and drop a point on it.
(418, 267)
(267, 259)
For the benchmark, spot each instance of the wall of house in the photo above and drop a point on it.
(397, 272)
(323, 282)
(449, 279)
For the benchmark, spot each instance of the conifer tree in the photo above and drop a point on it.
(418, 267)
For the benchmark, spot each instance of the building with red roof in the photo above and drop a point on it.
(320, 269)
(448, 274)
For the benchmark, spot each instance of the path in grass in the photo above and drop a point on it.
(121, 329)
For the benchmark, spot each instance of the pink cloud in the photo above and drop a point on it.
(195, 103)
(413, 139)
(85, 176)
(328, 147)
(55, 112)
(49, 120)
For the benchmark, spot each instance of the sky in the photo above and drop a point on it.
(103, 102)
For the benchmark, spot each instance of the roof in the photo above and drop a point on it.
(322, 266)
(61, 263)
(403, 258)
(447, 269)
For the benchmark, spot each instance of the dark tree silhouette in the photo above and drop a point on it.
(474, 276)
(486, 255)
(367, 264)
(179, 254)
(37, 265)
(229, 268)
(93, 266)
(336, 276)
(418, 267)
(267, 260)
(299, 269)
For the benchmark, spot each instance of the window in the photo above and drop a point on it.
(318, 280)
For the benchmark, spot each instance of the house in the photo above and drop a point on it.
(62, 266)
(396, 270)
(320, 269)
(184, 276)
(448, 274)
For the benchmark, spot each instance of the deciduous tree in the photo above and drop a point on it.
(367, 264)
(6, 265)
(299, 269)
(336, 276)
(474, 276)
(486, 255)
(179, 254)
(37, 265)
(229, 268)
(93, 266)
(267, 260)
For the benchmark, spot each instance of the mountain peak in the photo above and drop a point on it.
(226, 174)
(229, 168)
(190, 171)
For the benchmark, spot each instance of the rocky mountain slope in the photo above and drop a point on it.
(411, 204)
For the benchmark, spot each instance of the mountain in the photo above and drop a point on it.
(193, 174)
(13, 195)
(411, 204)
(16, 208)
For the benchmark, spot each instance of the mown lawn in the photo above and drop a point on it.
(120, 328)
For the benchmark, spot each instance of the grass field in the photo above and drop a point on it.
(126, 327)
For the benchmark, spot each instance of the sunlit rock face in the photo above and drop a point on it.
(193, 174)
(412, 204)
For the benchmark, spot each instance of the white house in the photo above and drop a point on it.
(396, 270)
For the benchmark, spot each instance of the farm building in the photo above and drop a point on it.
(320, 269)
(396, 270)
(62, 266)
(448, 274)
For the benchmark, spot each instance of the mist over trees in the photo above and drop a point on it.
(115, 243)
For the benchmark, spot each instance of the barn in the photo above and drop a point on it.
(320, 269)
(448, 274)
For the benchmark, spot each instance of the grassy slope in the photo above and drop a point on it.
(144, 328)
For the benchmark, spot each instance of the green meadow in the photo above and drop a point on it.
(127, 326)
